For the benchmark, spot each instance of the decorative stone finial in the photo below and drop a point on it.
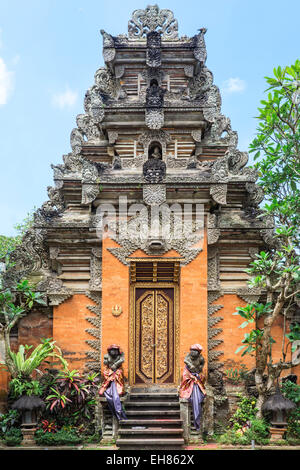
(153, 19)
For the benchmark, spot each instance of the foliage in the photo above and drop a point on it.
(237, 374)
(243, 425)
(8, 420)
(19, 387)
(292, 391)
(48, 426)
(13, 437)
(276, 272)
(61, 437)
(15, 303)
(245, 412)
(277, 145)
(70, 399)
(25, 364)
(9, 244)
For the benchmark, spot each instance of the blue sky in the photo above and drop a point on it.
(50, 50)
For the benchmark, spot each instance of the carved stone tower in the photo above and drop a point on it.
(152, 135)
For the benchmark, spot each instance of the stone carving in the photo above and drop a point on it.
(89, 193)
(89, 172)
(236, 160)
(109, 51)
(213, 276)
(213, 232)
(112, 136)
(154, 95)
(160, 136)
(200, 47)
(114, 358)
(194, 361)
(219, 192)
(255, 194)
(154, 169)
(154, 118)
(153, 73)
(249, 295)
(189, 71)
(197, 135)
(56, 291)
(220, 125)
(137, 234)
(76, 141)
(200, 83)
(152, 19)
(153, 55)
(213, 356)
(105, 83)
(95, 283)
(94, 357)
(154, 194)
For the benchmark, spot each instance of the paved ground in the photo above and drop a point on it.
(209, 446)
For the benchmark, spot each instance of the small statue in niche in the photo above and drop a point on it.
(154, 169)
(154, 95)
(113, 385)
(192, 384)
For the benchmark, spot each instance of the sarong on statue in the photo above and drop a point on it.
(192, 387)
(112, 388)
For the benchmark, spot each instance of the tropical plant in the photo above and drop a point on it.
(19, 387)
(58, 438)
(292, 391)
(13, 437)
(48, 426)
(57, 400)
(8, 420)
(237, 374)
(9, 244)
(276, 272)
(15, 303)
(24, 364)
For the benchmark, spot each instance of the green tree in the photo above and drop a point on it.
(15, 303)
(276, 272)
(9, 244)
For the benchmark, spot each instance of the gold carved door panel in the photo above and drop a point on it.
(154, 335)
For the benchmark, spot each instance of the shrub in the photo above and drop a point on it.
(8, 420)
(59, 438)
(13, 437)
(292, 391)
(245, 412)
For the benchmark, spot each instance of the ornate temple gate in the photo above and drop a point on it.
(154, 322)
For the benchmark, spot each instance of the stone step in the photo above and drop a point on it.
(153, 412)
(145, 403)
(153, 399)
(154, 389)
(155, 431)
(151, 422)
(145, 443)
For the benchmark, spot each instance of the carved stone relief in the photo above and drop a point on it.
(152, 19)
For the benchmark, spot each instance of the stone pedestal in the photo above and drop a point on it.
(190, 435)
(28, 436)
(277, 433)
(108, 422)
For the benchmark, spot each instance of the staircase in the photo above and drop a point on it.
(153, 421)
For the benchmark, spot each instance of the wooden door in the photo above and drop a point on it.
(154, 335)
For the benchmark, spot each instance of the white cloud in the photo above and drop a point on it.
(64, 100)
(234, 85)
(6, 82)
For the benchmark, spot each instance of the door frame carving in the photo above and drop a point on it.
(132, 327)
